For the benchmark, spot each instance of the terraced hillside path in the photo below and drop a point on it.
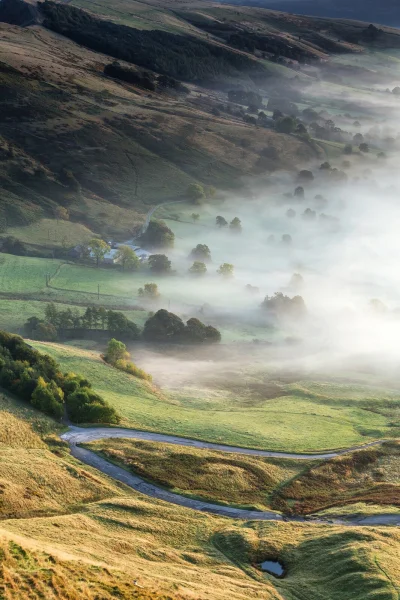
(79, 435)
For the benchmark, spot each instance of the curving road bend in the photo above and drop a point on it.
(78, 435)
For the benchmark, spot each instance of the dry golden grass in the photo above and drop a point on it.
(368, 476)
(34, 481)
(31, 574)
(216, 476)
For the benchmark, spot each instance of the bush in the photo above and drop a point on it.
(85, 406)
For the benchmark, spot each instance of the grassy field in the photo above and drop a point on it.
(68, 532)
(371, 476)
(190, 555)
(231, 479)
(52, 233)
(299, 421)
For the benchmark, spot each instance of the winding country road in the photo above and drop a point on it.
(78, 435)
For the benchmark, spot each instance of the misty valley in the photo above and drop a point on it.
(199, 301)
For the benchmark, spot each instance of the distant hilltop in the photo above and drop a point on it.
(385, 12)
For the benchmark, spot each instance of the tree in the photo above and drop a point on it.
(98, 248)
(299, 192)
(61, 213)
(348, 149)
(49, 399)
(290, 213)
(210, 191)
(285, 125)
(325, 166)
(309, 215)
(158, 235)
(226, 270)
(149, 290)
(51, 313)
(115, 351)
(128, 258)
(198, 333)
(221, 222)
(305, 176)
(364, 147)
(11, 245)
(163, 326)
(201, 252)
(235, 225)
(286, 239)
(195, 217)
(159, 263)
(198, 268)
(195, 193)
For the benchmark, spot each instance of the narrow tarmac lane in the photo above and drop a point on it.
(78, 435)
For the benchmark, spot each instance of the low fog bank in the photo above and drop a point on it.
(329, 233)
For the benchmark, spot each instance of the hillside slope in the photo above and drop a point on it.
(386, 12)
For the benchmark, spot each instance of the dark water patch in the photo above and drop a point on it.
(273, 567)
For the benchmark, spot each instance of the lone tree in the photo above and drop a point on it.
(299, 192)
(149, 290)
(61, 213)
(159, 263)
(286, 125)
(195, 217)
(115, 351)
(198, 268)
(195, 193)
(364, 147)
(127, 258)
(221, 222)
(226, 270)
(158, 235)
(236, 225)
(290, 213)
(348, 149)
(201, 252)
(98, 249)
(286, 239)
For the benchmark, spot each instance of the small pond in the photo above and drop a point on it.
(273, 567)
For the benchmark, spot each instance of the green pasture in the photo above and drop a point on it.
(290, 423)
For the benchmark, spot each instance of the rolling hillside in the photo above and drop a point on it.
(386, 12)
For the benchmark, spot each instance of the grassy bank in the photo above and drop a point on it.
(300, 421)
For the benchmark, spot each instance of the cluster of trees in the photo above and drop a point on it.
(144, 79)
(283, 306)
(10, 245)
(95, 317)
(37, 378)
(158, 235)
(235, 225)
(272, 46)
(118, 356)
(149, 290)
(177, 56)
(164, 327)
